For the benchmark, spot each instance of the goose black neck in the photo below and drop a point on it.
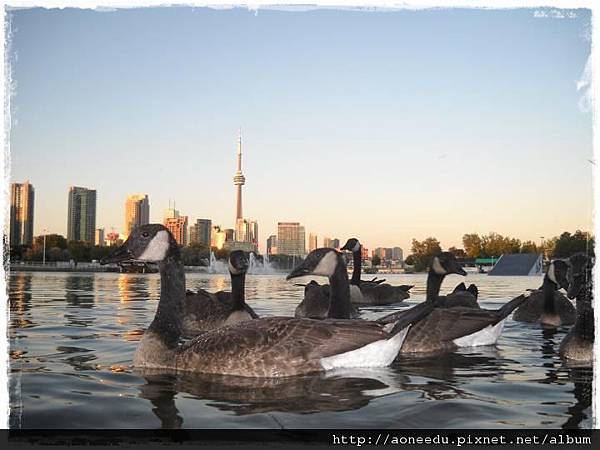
(339, 293)
(238, 288)
(357, 261)
(434, 283)
(167, 323)
(548, 290)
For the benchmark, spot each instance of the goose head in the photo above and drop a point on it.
(445, 263)
(557, 273)
(238, 262)
(351, 245)
(322, 262)
(149, 243)
(579, 274)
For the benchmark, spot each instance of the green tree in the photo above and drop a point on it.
(423, 251)
(472, 245)
(529, 247)
(195, 254)
(376, 260)
(52, 240)
(79, 251)
(458, 253)
(568, 244)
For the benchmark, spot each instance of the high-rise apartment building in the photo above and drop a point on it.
(137, 212)
(290, 239)
(397, 254)
(22, 196)
(178, 228)
(312, 242)
(272, 245)
(81, 221)
(335, 243)
(200, 232)
(99, 237)
(327, 242)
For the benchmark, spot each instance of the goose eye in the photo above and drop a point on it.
(145, 234)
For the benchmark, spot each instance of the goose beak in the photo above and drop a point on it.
(120, 254)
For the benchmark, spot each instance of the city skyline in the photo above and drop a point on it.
(384, 136)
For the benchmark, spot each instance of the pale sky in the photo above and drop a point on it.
(385, 126)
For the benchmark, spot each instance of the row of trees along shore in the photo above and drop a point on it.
(494, 244)
(59, 250)
(474, 246)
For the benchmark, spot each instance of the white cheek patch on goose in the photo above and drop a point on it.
(327, 265)
(157, 249)
(437, 267)
(356, 247)
(552, 274)
(233, 270)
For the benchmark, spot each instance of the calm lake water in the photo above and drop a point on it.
(72, 338)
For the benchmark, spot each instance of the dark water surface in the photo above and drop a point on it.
(72, 338)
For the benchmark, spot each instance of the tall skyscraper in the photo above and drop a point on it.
(272, 245)
(81, 222)
(137, 212)
(290, 239)
(327, 242)
(99, 237)
(171, 213)
(200, 232)
(22, 196)
(312, 242)
(335, 243)
(239, 180)
(178, 226)
(397, 254)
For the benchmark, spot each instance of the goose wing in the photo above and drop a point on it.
(275, 346)
(442, 326)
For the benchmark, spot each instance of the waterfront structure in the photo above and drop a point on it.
(312, 242)
(99, 237)
(81, 221)
(178, 228)
(272, 245)
(137, 212)
(201, 232)
(290, 239)
(22, 196)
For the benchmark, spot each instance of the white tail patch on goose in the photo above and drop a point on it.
(327, 265)
(157, 248)
(437, 266)
(376, 354)
(486, 336)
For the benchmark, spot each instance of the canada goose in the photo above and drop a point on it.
(546, 305)
(448, 328)
(315, 304)
(578, 344)
(267, 347)
(460, 296)
(205, 311)
(371, 292)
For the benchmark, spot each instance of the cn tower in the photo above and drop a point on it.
(239, 180)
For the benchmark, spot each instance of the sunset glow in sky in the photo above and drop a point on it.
(386, 126)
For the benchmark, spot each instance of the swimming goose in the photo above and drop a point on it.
(448, 328)
(205, 311)
(547, 306)
(315, 304)
(578, 344)
(266, 347)
(371, 292)
(460, 296)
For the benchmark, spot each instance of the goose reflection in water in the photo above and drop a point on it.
(331, 391)
(580, 375)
